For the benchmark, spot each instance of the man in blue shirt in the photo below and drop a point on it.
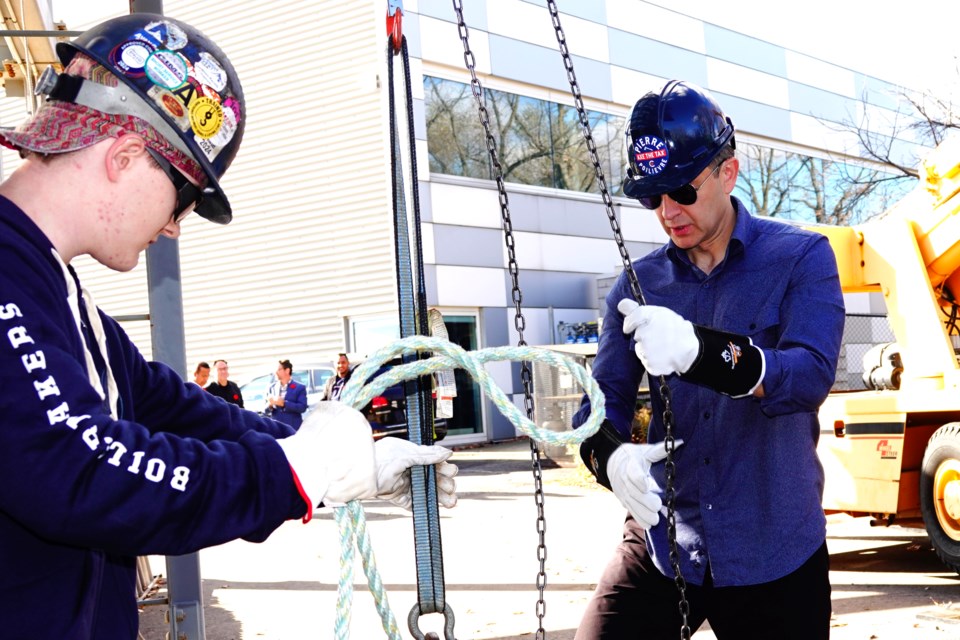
(744, 317)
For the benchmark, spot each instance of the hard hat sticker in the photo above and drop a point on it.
(206, 117)
(171, 105)
(209, 72)
(166, 34)
(213, 145)
(167, 69)
(131, 56)
(229, 126)
(650, 154)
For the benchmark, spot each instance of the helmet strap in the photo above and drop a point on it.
(119, 100)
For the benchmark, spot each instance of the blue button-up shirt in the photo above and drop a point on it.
(748, 481)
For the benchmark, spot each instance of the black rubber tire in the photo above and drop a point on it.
(943, 446)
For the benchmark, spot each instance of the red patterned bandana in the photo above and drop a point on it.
(59, 127)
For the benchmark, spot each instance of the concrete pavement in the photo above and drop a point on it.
(888, 584)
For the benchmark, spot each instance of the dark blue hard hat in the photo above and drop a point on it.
(672, 137)
(187, 89)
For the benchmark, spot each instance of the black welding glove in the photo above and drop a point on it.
(666, 344)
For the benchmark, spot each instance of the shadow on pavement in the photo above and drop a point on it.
(911, 556)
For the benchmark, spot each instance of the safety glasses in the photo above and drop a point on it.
(685, 195)
(188, 194)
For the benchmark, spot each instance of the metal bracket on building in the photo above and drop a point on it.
(186, 621)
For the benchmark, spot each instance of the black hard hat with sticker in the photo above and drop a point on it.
(183, 85)
(672, 137)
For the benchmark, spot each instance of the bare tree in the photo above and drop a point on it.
(765, 179)
(838, 193)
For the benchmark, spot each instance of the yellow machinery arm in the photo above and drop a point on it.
(911, 255)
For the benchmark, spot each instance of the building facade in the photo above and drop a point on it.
(306, 269)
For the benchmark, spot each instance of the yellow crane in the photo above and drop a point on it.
(892, 451)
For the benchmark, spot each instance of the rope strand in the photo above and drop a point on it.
(351, 519)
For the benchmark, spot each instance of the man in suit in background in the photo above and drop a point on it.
(286, 398)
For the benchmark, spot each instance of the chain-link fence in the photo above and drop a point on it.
(557, 396)
(861, 332)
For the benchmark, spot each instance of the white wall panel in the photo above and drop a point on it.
(521, 21)
(726, 77)
(466, 206)
(628, 85)
(821, 75)
(641, 225)
(882, 121)
(565, 253)
(501, 373)
(530, 23)
(470, 287)
(440, 42)
(584, 38)
(656, 23)
(429, 245)
(423, 158)
(807, 130)
(416, 77)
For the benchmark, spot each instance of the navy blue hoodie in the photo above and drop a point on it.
(82, 493)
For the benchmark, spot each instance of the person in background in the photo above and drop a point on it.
(286, 398)
(223, 387)
(201, 374)
(335, 384)
(105, 456)
(744, 316)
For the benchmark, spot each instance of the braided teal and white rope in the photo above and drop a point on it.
(358, 392)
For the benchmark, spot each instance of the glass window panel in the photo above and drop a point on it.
(369, 334)
(541, 143)
(814, 190)
(573, 167)
(522, 132)
(456, 143)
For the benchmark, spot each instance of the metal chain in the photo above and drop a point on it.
(669, 438)
(526, 375)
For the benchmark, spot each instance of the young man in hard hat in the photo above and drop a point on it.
(744, 317)
(105, 456)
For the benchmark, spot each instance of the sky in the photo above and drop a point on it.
(915, 43)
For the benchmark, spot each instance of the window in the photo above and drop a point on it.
(366, 335)
(369, 334)
(541, 143)
(813, 190)
(538, 142)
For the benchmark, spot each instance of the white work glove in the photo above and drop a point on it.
(332, 455)
(395, 457)
(666, 343)
(629, 472)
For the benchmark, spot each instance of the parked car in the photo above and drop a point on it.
(311, 375)
(387, 412)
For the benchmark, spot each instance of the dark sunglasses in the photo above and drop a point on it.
(188, 194)
(685, 195)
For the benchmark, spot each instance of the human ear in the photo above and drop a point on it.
(122, 155)
(728, 174)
